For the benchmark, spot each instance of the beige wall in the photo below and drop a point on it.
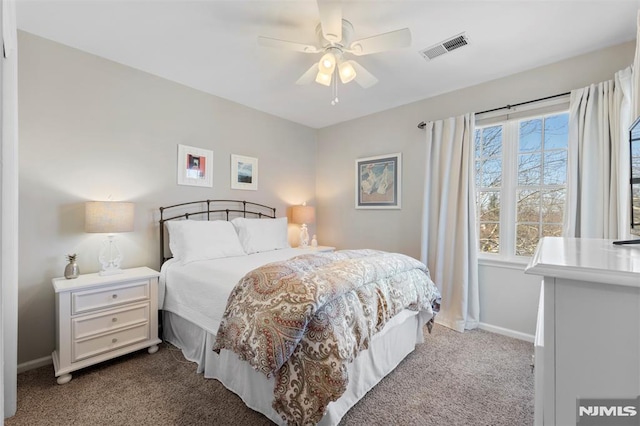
(341, 225)
(90, 128)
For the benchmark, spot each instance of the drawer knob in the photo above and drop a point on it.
(114, 340)
(114, 319)
(115, 296)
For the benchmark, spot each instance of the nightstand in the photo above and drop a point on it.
(103, 317)
(321, 249)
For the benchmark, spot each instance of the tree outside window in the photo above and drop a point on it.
(521, 204)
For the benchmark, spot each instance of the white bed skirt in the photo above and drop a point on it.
(387, 349)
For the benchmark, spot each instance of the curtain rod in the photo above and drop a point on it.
(422, 124)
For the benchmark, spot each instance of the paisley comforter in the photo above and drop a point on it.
(303, 320)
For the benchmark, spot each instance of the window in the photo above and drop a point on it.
(521, 176)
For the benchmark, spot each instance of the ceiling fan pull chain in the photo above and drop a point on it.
(335, 99)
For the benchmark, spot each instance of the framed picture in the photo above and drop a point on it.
(195, 166)
(378, 182)
(244, 172)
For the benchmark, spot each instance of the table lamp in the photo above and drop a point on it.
(109, 217)
(303, 215)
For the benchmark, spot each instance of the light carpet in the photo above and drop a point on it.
(471, 378)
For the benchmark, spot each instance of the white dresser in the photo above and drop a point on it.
(588, 336)
(102, 317)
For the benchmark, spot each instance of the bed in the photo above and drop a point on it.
(205, 289)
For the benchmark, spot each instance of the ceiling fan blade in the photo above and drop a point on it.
(381, 42)
(289, 45)
(330, 20)
(363, 77)
(308, 76)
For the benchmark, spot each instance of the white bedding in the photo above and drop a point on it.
(388, 348)
(198, 291)
(194, 297)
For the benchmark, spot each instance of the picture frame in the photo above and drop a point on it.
(244, 172)
(379, 182)
(195, 166)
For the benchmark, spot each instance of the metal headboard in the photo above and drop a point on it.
(214, 210)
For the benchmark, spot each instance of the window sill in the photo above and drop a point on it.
(519, 263)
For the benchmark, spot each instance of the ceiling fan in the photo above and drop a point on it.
(335, 39)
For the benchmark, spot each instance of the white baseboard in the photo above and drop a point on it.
(36, 363)
(41, 362)
(506, 332)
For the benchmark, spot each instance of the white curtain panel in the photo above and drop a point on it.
(636, 73)
(449, 241)
(598, 165)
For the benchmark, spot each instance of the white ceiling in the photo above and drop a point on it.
(211, 45)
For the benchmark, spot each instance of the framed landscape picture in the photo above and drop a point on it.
(244, 172)
(378, 182)
(195, 166)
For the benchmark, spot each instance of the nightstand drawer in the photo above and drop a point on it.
(84, 301)
(108, 342)
(89, 325)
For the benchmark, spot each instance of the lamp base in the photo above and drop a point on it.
(110, 257)
(110, 272)
(304, 236)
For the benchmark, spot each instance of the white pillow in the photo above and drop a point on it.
(258, 235)
(191, 240)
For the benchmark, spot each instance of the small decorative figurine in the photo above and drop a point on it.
(314, 241)
(71, 271)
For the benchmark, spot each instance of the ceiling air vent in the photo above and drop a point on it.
(445, 46)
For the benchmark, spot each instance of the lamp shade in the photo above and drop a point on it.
(108, 216)
(346, 71)
(323, 78)
(303, 214)
(327, 63)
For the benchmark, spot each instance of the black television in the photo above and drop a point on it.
(634, 181)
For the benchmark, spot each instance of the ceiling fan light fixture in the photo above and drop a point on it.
(323, 78)
(346, 72)
(335, 38)
(327, 63)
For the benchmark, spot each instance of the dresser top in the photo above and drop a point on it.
(91, 280)
(587, 259)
